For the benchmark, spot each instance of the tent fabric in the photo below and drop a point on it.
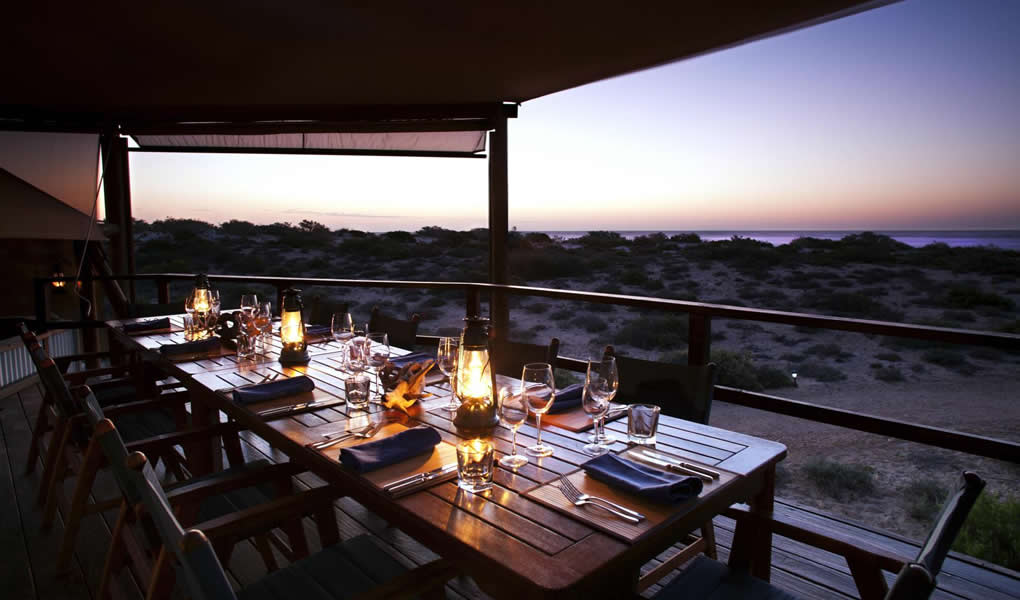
(63, 165)
(436, 141)
(31, 214)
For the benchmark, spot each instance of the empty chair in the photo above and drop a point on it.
(319, 310)
(402, 334)
(341, 570)
(682, 391)
(509, 358)
(707, 578)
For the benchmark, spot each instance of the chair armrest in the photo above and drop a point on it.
(160, 443)
(412, 583)
(269, 515)
(161, 401)
(188, 492)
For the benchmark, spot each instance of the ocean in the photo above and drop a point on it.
(1004, 239)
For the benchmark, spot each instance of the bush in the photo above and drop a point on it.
(634, 277)
(820, 372)
(849, 304)
(888, 374)
(992, 531)
(949, 359)
(924, 498)
(970, 297)
(829, 351)
(546, 264)
(840, 481)
(536, 307)
(735, 369)
(651, 332)
(602, 239)
(773, 377)
(562, 314)
(590, 323)
(889, 356)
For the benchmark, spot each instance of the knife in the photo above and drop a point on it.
(686, 465)
(671, 466)
(303, 406)
(419, 478)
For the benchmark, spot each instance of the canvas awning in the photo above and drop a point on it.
(31, 214)
(423, 142)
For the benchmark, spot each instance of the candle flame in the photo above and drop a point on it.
(473, 376)
(291, 328)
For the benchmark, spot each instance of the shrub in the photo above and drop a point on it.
(829, 351)
(736, 370)
(562, 314)
(889, 356)
(590, 323)
(961, 316)
(924, 497)
(772, 378)
(634, 277)
(791, 357)
(536, 307)
(686, 238)
(969, 297)
(601, 239)
(546, 264)
(840, 481)
(849, 304)
(888, 374)
(651, 332)
(992, 531)
(949, 359)
(820, 372)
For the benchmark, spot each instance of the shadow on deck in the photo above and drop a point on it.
(28, 554)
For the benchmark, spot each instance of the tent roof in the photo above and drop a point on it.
(120, 62)
(30, 213)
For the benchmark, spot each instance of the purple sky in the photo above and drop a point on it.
(901, 117)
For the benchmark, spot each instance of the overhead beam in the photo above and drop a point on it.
(309, 151)
(292, 126)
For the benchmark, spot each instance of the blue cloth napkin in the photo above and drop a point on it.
(147, 325)
(647, 482)
(273, 390)
(199, 347)
(568, 398)
(414, 357)
(388, 451)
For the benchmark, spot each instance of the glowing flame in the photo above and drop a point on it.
(202, 303)
(292, 330)
(474, 379)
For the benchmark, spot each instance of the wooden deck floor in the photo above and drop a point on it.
(26, 570)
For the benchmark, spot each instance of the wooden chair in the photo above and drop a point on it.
(509, 358)
(319, 309)
(682, 391)
(244, 501)
(354, 568)
(707, 578)
(402, 333)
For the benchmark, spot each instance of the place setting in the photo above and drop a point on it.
(275, 395)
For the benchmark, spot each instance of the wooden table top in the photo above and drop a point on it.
(510, 543)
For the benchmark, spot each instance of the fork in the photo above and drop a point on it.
(268, 377)
(578, 498)
(365, 433)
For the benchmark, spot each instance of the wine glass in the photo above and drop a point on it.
(356, 354)
(342, 326)
(377, 346)
(600, 384)
(249, 303)
(513, 411)
(612, 376)
(264, 322)
(539, 390)
(446, 360)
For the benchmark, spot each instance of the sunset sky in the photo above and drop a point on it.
(903, 117)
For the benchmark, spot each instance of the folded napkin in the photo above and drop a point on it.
(199, 347)
(387, 451)
(273, 390)
(567, 399)
(316, 331)
(148, 325)
(414, 357)
(657, 486)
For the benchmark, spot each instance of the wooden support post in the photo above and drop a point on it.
(42, 299)
(699, 340)
(163, 290)
(499, 225)
(117, 195)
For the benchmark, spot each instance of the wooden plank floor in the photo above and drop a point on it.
(26, 563)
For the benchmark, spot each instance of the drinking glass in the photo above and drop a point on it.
(513, 411)
(474, 465)
(356, 355)
(245, 339)
(539, 390)
(600, 384)
(378, 349)
(356, 390)
(600, 436)
(446, 360)
(249, 303)
(642, 423)
(342, 327)
(264, 323)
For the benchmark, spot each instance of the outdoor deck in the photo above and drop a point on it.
(28, 572)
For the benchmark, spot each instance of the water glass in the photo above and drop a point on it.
(513, 412)
(475, 465)
(642, 423)
(446, 360)
(245, 345)
(356, 389)
(378, 348)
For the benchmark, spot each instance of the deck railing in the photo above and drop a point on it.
(700, 317)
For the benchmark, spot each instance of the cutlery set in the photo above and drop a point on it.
(578, 498)
(669, 463)
(418, 478)
(335, 438)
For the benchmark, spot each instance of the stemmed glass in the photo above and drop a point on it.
(446, 360)
(600, 385)
(377, 345)
(264, 323)
(539, 390)
(249, 303)
(513, 411)
(342, 327)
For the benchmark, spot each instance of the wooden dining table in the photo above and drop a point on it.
(510, 542)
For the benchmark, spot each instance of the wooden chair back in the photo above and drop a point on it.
(682, 391)
(401, 333)
(916, 580)
(319, 310)
(54, 383)
(509, 357)
(112, 445)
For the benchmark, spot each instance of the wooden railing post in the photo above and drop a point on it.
(699, 339)
(473, 303)
(163, 290)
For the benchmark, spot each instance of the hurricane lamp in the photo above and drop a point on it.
(475, 380)
(292, 329)
(201, 296)
(58, 285)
